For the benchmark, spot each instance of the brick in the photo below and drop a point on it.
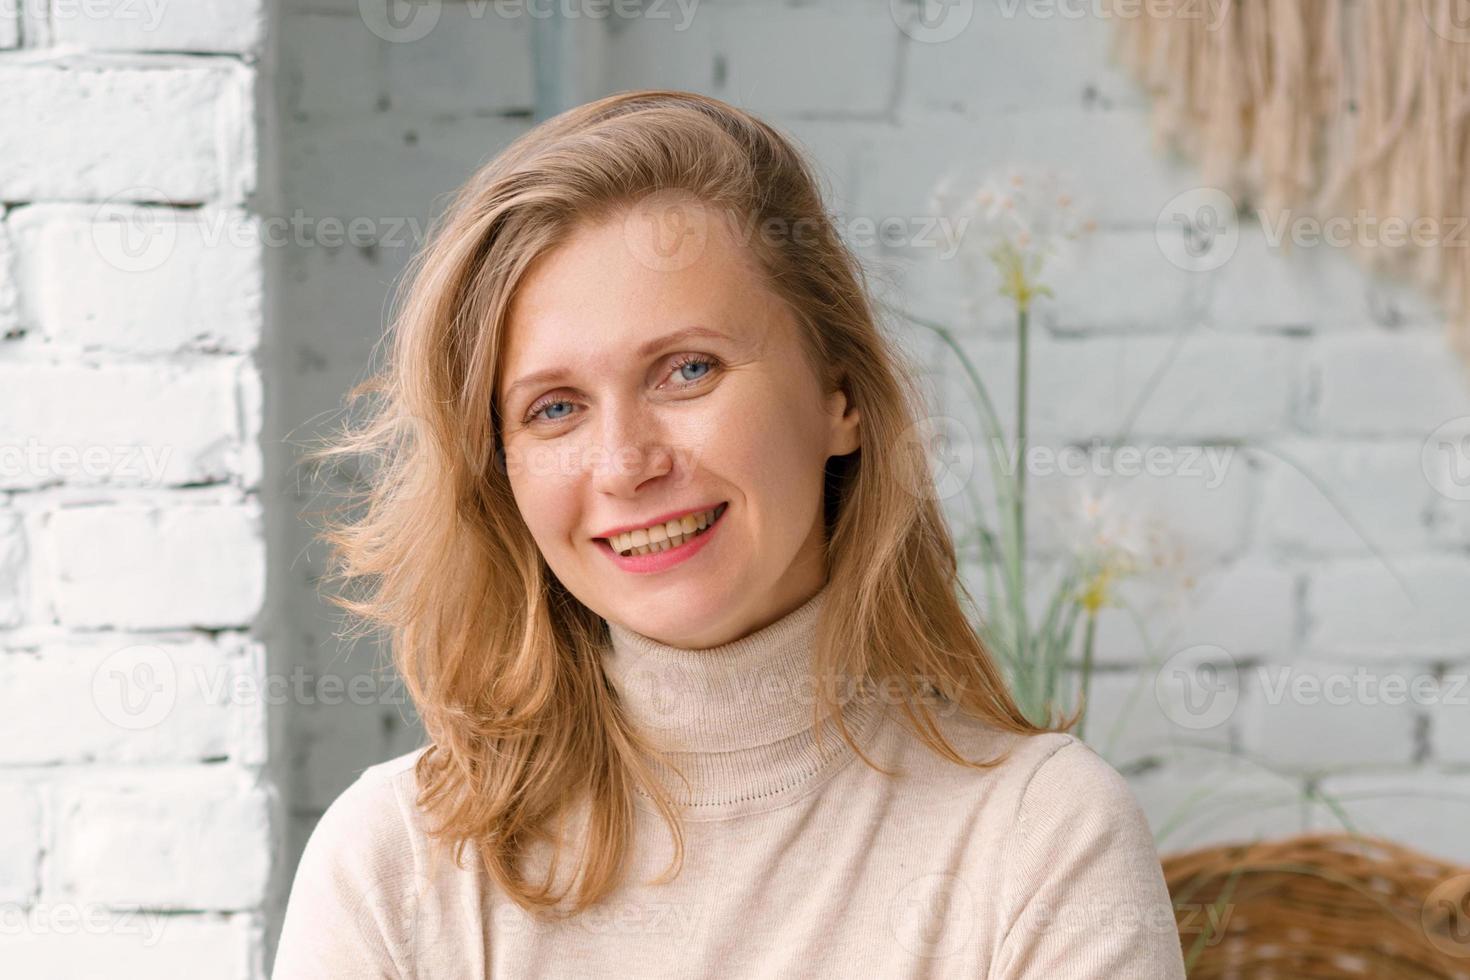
(70, 125)
(1130, 718)
(20, 828)
(214, 26)
(1379, 485)
(1422, 809)
(10, 26)
(1208, 799)
(9, 291)
(1317, 289)
(13, 563)
(1088, 297)
(333, 65)
(758, 56)
(1123, 184)
(188, 838)
(1449, 717)
(142, 279)
(1316, 716)
(1394, 385)
(960, 286)
(668, 51)
(170, 565)
(767, 53)
(477, 58)
(1363, 610)
(129, 424)
(127, 700)
(65, 939)
(1022, 46)
(1180, 510)
(394, 171)
(1248, 607)
(1213, 389)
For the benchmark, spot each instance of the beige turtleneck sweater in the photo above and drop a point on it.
(799, 862)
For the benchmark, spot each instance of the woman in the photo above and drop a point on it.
(680, 616)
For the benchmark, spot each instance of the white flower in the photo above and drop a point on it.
(1035, 215)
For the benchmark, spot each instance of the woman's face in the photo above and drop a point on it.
(680, 387)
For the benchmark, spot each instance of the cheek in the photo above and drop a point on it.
(543, 494)
(759, 445)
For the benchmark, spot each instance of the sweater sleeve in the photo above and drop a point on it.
(351, 909)
(1086, 891)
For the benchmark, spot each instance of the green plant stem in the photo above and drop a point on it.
(1089, 638)
(1021, 628)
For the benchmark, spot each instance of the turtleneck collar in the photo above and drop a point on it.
(735, 719)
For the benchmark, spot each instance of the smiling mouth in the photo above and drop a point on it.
(623, 544)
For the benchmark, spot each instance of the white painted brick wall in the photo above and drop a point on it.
(188, 839)
(196, 112)
(162, 568)
(1379, 486)
(1414, 607)
(137, 804)
(206, 709)
(20, 827)
(222, 26)
(140, 279)
(1355, 715)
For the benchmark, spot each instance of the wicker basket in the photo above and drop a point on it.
(1318, 906)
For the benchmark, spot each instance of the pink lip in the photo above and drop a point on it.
(672, 515)
(657, 561)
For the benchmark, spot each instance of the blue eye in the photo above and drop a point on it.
(543, 410)
(694, 360)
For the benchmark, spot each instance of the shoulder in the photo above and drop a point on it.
(1073, 817)
(369, 840)
(1037, 791)
(377, 807)
(1061, 769)
(1083, 882)
(352, 906)
(1020, 765)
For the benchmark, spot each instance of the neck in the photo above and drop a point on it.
(735, 720)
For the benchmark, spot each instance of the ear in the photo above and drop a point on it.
(844, 422)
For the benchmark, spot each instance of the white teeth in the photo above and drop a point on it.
(662, 537)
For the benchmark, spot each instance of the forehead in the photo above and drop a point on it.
(617, 283)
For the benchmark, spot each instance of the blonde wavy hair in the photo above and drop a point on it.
(502, 663)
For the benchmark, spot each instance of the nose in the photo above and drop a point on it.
(633, 450)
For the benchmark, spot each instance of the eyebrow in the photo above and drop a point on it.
(645, 349)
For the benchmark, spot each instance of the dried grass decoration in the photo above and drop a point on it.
(1345, 109)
